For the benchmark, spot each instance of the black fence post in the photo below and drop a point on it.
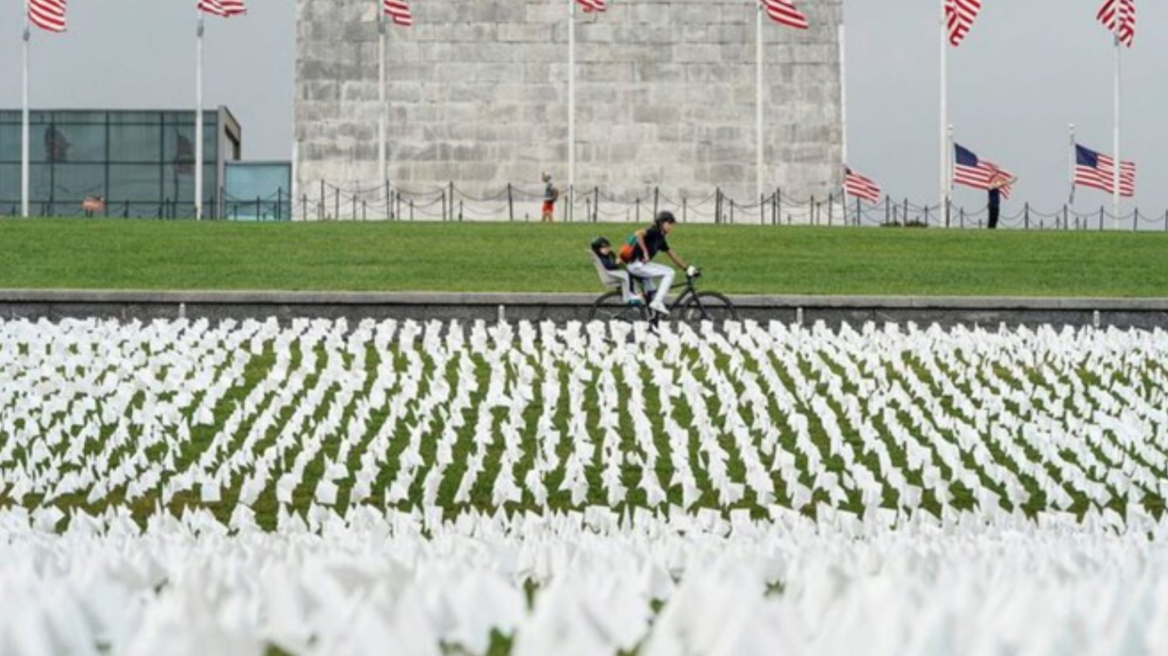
(364, 210)
(451, 206)
(460, 211)
(1136, 220)
(388, 202)
(510, 203)
(1066, 218)
(337, 204)
(830, 208)
(411, 209)
(1026, 215)
(926, 214)
(731, 210)
(656, 200)
(596, 204)
(685, 210)
(279, 205)
(1101, 208)
(259, 208)
(637, 203)
(887, 209)
(353, 212)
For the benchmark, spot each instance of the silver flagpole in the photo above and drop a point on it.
(758, 110)
(382, 165)
(1073, 159)
(24, 148)
(844, 117)
(1115, 167)
(946, 154)
(199, 121)
(571, 103)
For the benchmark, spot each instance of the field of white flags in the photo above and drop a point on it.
(323, 487)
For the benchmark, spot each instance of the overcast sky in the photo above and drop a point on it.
(1027, 70)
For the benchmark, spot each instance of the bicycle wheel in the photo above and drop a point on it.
(709, 306)
(612, 307)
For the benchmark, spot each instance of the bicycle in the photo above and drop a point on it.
(690, 306)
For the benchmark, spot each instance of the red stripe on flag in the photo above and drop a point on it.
(959, 17)
(860, 186)
(1119, 17)
(49, 15)
(223, 8)
(399, 12)
(785, 13)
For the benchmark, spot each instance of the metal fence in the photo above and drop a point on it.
(329, 202)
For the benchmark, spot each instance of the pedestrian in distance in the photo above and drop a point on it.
(550, 194)
(639, 251)
(994, 204)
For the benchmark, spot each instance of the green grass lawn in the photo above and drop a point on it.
(533, 257)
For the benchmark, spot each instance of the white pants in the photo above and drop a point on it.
(647, 272)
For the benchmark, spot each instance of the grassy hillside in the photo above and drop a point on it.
(532, 257)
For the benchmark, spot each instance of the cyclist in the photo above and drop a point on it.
(603, 251)
(642, 246)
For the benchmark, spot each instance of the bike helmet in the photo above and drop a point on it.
(664, 216)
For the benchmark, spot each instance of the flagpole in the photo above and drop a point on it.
(844, 116)
(382, 167)
(24, 146)
(758, 100)
(571, 102)
(199, 121)
(1115, 136)
(943, 210)
(1073, 159)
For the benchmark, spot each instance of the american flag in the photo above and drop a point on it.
(1096, 170)
(399, 12)
(979, 173)
(785, 13)
(47, 14)
(959, 16)
(860, 186)
(1119, 17)
(224, 8)
(592, 5)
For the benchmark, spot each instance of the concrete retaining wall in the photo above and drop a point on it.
(832, 310)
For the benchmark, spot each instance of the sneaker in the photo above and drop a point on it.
(659, 308)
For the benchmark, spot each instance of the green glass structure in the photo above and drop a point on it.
(136, 163)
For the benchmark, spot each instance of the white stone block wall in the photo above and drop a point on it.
(478, 96)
